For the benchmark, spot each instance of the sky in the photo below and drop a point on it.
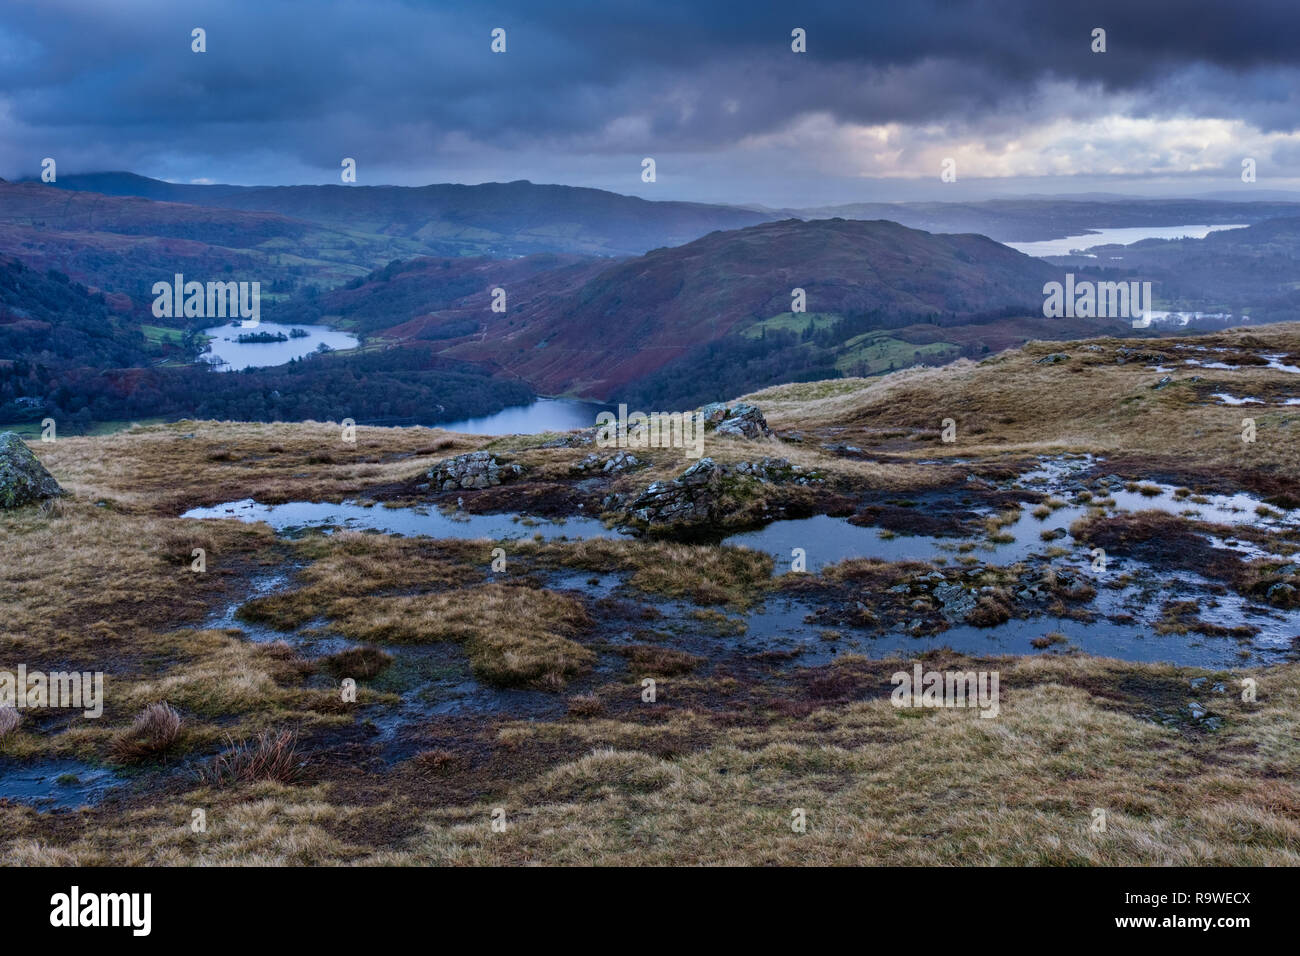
(1010, 90)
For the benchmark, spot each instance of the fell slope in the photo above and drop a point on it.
(635, 317)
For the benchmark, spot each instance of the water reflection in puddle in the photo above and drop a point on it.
(425, 521)
(827, 540)
(1122, 628)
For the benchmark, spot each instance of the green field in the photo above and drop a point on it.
(874, 352)
(792, 322)
(159, 334)
(871, 353)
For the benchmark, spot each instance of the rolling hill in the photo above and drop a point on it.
(448, 219)
(873, 291)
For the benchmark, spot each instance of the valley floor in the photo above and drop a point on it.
(501, 714)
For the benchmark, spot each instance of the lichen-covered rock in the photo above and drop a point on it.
(955, 601)
(714, 413)
(23, 479)
(687, 500)
(740, 421)
(706, 494)
(614, 464)
(478, 469)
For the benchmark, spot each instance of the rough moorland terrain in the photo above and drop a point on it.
(950, 516)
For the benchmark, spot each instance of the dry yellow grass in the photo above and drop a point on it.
(878, 785)
(165, 469)
(1009, 403)
(514, 635)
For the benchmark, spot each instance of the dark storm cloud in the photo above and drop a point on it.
(294, 85)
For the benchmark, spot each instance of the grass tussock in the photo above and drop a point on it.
(152, 733)
(514, 635)
(992, 609)
(359, 663)
(585, 705)
(705, 574)
(648, 660)
(701, 573)
(270, 756)
(435, 762)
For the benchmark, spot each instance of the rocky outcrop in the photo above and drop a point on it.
(708, 494)
(955, 601)
(612, 465)
(478, 469)
(740, 421)
(688, 500)
(23, 479)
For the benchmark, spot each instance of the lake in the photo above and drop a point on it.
(543, 415)
(1119, 235)
(226, 354)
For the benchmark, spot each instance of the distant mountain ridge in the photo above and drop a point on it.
(602, 296)
(495, 219)
(1028, 220)
(522, 218)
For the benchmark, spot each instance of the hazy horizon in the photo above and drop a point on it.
(973, 193)
(1018, 98)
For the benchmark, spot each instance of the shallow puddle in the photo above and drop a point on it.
(56, 784)
(425, 521)
(827, 540)
(1124, 628)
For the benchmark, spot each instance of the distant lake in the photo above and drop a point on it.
(543, 415)
(1121, 236)
(227, 354)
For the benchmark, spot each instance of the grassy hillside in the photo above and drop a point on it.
(124, 245)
